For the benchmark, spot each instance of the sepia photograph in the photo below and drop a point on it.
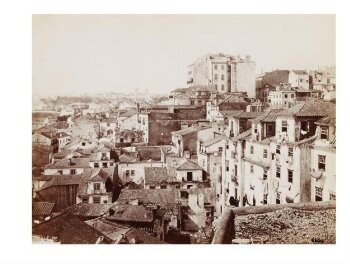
(183, 129)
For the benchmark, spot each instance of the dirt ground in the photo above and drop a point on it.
(288, 226)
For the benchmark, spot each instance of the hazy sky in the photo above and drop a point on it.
(91, 53)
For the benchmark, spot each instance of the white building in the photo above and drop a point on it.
(227, 73)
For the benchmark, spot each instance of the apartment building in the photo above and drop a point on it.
(227, 73)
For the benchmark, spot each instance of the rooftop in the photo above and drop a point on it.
(68, 229)
(268, 116)
(162, 197)
(311, 108)
(157, 176)
(42, 208)
(131, 213)
(214, 140)
(69, 163)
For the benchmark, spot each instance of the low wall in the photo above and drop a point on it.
(225, 230)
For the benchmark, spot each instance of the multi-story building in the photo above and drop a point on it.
(157, 123)
(322, 168)
(227, 73)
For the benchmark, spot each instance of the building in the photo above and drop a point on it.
(147, 218)
(98, 187)
(63, 140)
(184, 142)
(62, 189)
(323, 165)
(67, 166)
(227, 73)
(157, 123)
(160, 178)
(46, 137)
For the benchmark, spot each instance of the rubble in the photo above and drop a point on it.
(288, 226)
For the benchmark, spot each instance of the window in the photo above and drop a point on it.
(215, 77)
(104, 164)
(189, 176)
(324, 132)
(332, 196)
(278, 172)
(222, 87)
(215, 67)
(73, 171)
(97, 200)
(290, 176)
(265, 175)
(85, 200)
(318, 194)
(251, 149)
(292, 96)
(290, 152)
(222, 77)
(83, 143)
(227, 165)
(132, 172)
(289, 200)
(265, 199)
(152, 187)
(235, 170)
(222, 67)
(122, 140)
(184, 194)
(301, 80)
(278, 198)
(286, 96)
(220, 149)
(284, 126)
(60, 172)
(97, 186)
(192, 102)
(105, 201)
(265, 154)
(321, 162)
(96, 165)
(255, 128)
(251, 168)
(127, 173)
(278, 149)
(163, 186)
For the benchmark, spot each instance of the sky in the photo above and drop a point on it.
(83, 54)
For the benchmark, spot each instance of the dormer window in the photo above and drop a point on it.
(284, 126)
(324, 132)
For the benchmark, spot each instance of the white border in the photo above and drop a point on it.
(15, 61)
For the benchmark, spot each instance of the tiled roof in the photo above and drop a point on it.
(213, 140)
(157, 176)
(243, 114)
(300, 72)
(185, 131)
(114, 231)
(326, 121)
(126, 158)
(88, 210)
(63, 153)
(128, 113)
(71, 179)
(268, 116)
(311, 108)
(141, 237)
(149, 153)
(69, 229)
(70, 163)
(243, 135)
(162, 197)
(131, 213)
(42, 208)
(189, 165)
(102, 175)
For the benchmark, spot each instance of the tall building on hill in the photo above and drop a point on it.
(227, 73)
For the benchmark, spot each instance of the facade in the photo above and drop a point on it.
(227, 73)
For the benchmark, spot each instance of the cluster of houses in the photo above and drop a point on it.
(165, 173)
